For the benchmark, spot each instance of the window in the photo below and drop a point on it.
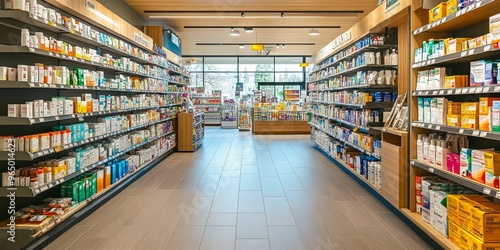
(253, 64)
(225, 64)
(196, 79)
(221, 81)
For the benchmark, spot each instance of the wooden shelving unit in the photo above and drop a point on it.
(190, 131)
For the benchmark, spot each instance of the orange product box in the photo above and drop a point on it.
(454, 108)
(484, 122)
(470, 108)
(454, 120)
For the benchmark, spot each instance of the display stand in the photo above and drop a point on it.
(229, 117)
(191, 131)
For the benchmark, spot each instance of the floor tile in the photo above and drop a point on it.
(251, 226)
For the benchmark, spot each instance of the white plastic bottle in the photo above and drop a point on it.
(394, 57)
(441, 155)
(426, 149)
(431, 157)
(420, 148)
(387, 58)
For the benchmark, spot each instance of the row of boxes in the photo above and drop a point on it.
(437, 79)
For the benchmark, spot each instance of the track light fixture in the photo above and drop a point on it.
(242, 46)
(313, 32)
(248, 30)
(234, 32)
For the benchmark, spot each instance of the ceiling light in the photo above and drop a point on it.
(234, 32)
(242, 46)
(277, 46)
(282, 46)
(313, 32)
(242, 14)
(248, 30)
(282, 14)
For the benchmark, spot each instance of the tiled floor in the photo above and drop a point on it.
(241, 191)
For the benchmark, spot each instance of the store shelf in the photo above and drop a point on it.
(79, 211)
(364, 87)
(31, 85)
(459, 91)
(354, 54)
(368, 105)
(345, 167)
(23, 49)
(479, 187)
(27, 156)
(362, 129)
(211, 104)
(4, 120)
(33, 192)
(458, 130)
(356, 69)
(198, 123)
(23, 18)
(429, 230)
(480, 10)
(477, 53)
(347, 143)
(198, 114)
(177, 83)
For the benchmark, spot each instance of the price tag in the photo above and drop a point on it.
(37, 191)
(57, 182)
(473, 90)
(412, 162)
(497, 195)
(438, 127)
(82, 171)
(475, 133)
(433, 61)
(44, 188)
(431, 170)
(449, 92)
(483, 134)
(461, 131)
(478, 4)
(429, 26)
(443, 19)
(56, 118)
(464, 53)
(420, 30)
(441, 92)
(51, 151)
(485, 89)
(471, 52)
(486, 191)
(41, 119)
(465, 90)
(429, 127)
(45, 152)
(487, 48)
(58, 55)
(435, 92)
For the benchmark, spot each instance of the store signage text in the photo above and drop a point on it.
(141, 40)
(339, 41)
(90, 4)
(390, 5)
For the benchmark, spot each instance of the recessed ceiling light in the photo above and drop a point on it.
(242, 46)
(248, 30)
(313, 32)
(234, 32)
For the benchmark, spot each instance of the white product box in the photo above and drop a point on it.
(14, 110)
(68, 107)
(8, 4)
(22, 73)
(33, 74)
(52, 15)
(438, 212)
(53, 108)
(46, 109)
(12, 74)
(27, 110)
(41, 72)
(49, 71)
(95, 105)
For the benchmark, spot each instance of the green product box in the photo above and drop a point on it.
(87, 188)
(93, 184)
(81, 191)
(64, 186)
(73, 189)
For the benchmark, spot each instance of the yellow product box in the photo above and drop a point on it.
(437, 12)
(485, 103)
(485, 223)
(464, 240)
(451, 6)
(472, 43)
(465, 44)
(469, 121)
(454, 108)
(484, 122)
(454, 120)
(470, 108)
(492, 162)
(455, 45)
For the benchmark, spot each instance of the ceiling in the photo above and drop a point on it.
(228, 13)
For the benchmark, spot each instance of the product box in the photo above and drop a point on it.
(495, 30)
(451, 6)
(420, 109)
(22, 73)
(455, 45)
(438, 213)
(484, 123)
(469, 121)
(485, 103)
(492, 162)
(465, 240)
(437, 12)
(454, 120)
(427, 110)
(465, 161)
(470, 108)
(453, 163)
(454, 108)
(27, 110)
(491, 180)
(12, 74)
(441, 111)
(14, 110)
(483, 73)
(477, 167)
(495, 116)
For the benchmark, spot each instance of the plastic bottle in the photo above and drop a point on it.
(394, 57)
(378, 58)
(387, 58)
(441, 157)
(426, 149)
(420, 148)
(431, 157)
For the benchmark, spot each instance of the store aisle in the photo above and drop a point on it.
(241, 191)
